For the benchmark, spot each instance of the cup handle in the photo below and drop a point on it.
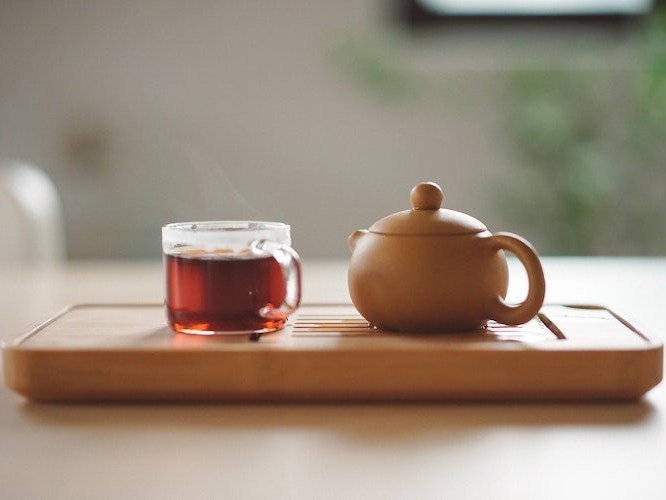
(517, 314)
(290, 263)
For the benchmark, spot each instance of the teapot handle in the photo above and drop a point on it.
(510, 314)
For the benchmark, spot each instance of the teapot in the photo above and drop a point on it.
(431, 269)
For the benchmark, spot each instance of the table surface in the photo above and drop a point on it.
(332, 450)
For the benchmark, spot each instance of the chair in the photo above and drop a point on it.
(31, 214)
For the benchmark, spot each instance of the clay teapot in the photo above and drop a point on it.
(431, 269)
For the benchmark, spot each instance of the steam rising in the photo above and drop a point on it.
(212, 195)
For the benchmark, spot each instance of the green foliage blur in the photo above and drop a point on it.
(591, 149)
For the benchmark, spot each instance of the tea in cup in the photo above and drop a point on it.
(230, 276)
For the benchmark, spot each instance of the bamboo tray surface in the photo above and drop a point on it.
(125, 352)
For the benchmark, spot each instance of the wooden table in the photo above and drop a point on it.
(331, 450)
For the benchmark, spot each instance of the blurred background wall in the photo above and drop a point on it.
(325, 114)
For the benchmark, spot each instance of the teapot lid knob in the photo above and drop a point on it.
(426, 196)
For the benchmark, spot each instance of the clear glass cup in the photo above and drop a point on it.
(226, 277)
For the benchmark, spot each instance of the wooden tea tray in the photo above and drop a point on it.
(121, 352)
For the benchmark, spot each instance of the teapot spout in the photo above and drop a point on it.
(354, 237)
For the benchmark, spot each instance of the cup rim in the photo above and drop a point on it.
(224, 225)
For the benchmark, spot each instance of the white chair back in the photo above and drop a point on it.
(31, 216)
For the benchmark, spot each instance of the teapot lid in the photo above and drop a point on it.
(426, 216)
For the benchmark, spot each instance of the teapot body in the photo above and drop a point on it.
(421, 283)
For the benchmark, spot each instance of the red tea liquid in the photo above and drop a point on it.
(216, 293)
